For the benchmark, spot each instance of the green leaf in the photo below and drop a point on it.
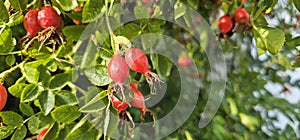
(52, 132)
(3, 12)
(33, 125)
(11, 118)
(65, 113)
(270, 9)
(271, 39)
(164, 66)
(6, 131)
(46, 119)
(20, 133)
(249, 121)
(26, 109)
(47, 101)
(92, 10)
(179, 10)
(6, 41)
(15, 19)
(16, 89)
(105, 53)
(141, 12)
(293, 42)
(259, 12)
(297, 4)
(111, 121)
(15, 4)
(29, 93)
(130, 30)
(60, 80)
(98, 75)
(85, 131)
(65, 97)
(67, 5)
(10, 60)
(31, 71)
(73, 32)
(96, 104)
(45, 76)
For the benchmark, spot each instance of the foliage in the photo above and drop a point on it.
(65, 88)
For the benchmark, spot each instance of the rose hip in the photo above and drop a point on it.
(31, 23)
(118, 69)
(47, 17)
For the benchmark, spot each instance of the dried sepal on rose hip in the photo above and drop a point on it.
(137, 61)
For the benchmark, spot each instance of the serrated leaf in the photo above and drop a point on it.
(46, 119)
(297, 4)
(29, 93)
(52, 132)
(249, 121)
(20, 133)
(96, 104)
(131, 30)
(270, 38)
(60, 80)
(85, 131)
(6, 131)
(98, 75)
(73, 32)
(31, 71)
(16, 89)
(11, 118)
(65, 97)
(15, 4)
(33, 125)
(65, 113)
(294, 42)
(92, 10)
(67, 5)
(3, 12)
(105, 53)
(6, 41)
(47, 101)
(261, 21)
(26, 109)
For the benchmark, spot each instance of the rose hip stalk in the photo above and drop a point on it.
(138, 102)
(137, 61)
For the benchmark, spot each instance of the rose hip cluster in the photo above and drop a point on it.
(118, 70)
(35, 20)
(227, 24)
(45, 19)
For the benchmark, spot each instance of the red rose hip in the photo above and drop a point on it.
(241, 16)
(138, 100)
(3, 96)
(42, 133)
(118, 104)
(47, 17)
(31, 23)
(118, 69)
(225, 24)
(137, 60)
(184, 61)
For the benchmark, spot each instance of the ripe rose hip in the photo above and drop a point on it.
(3, 96)
(138, 100)
(42, 133)
(137, 60)
(226, 24)
(118, 104)
(184, 61)
(118, 69)
(31, 23)
(298, 17)
(241, 16)
(47, 17)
